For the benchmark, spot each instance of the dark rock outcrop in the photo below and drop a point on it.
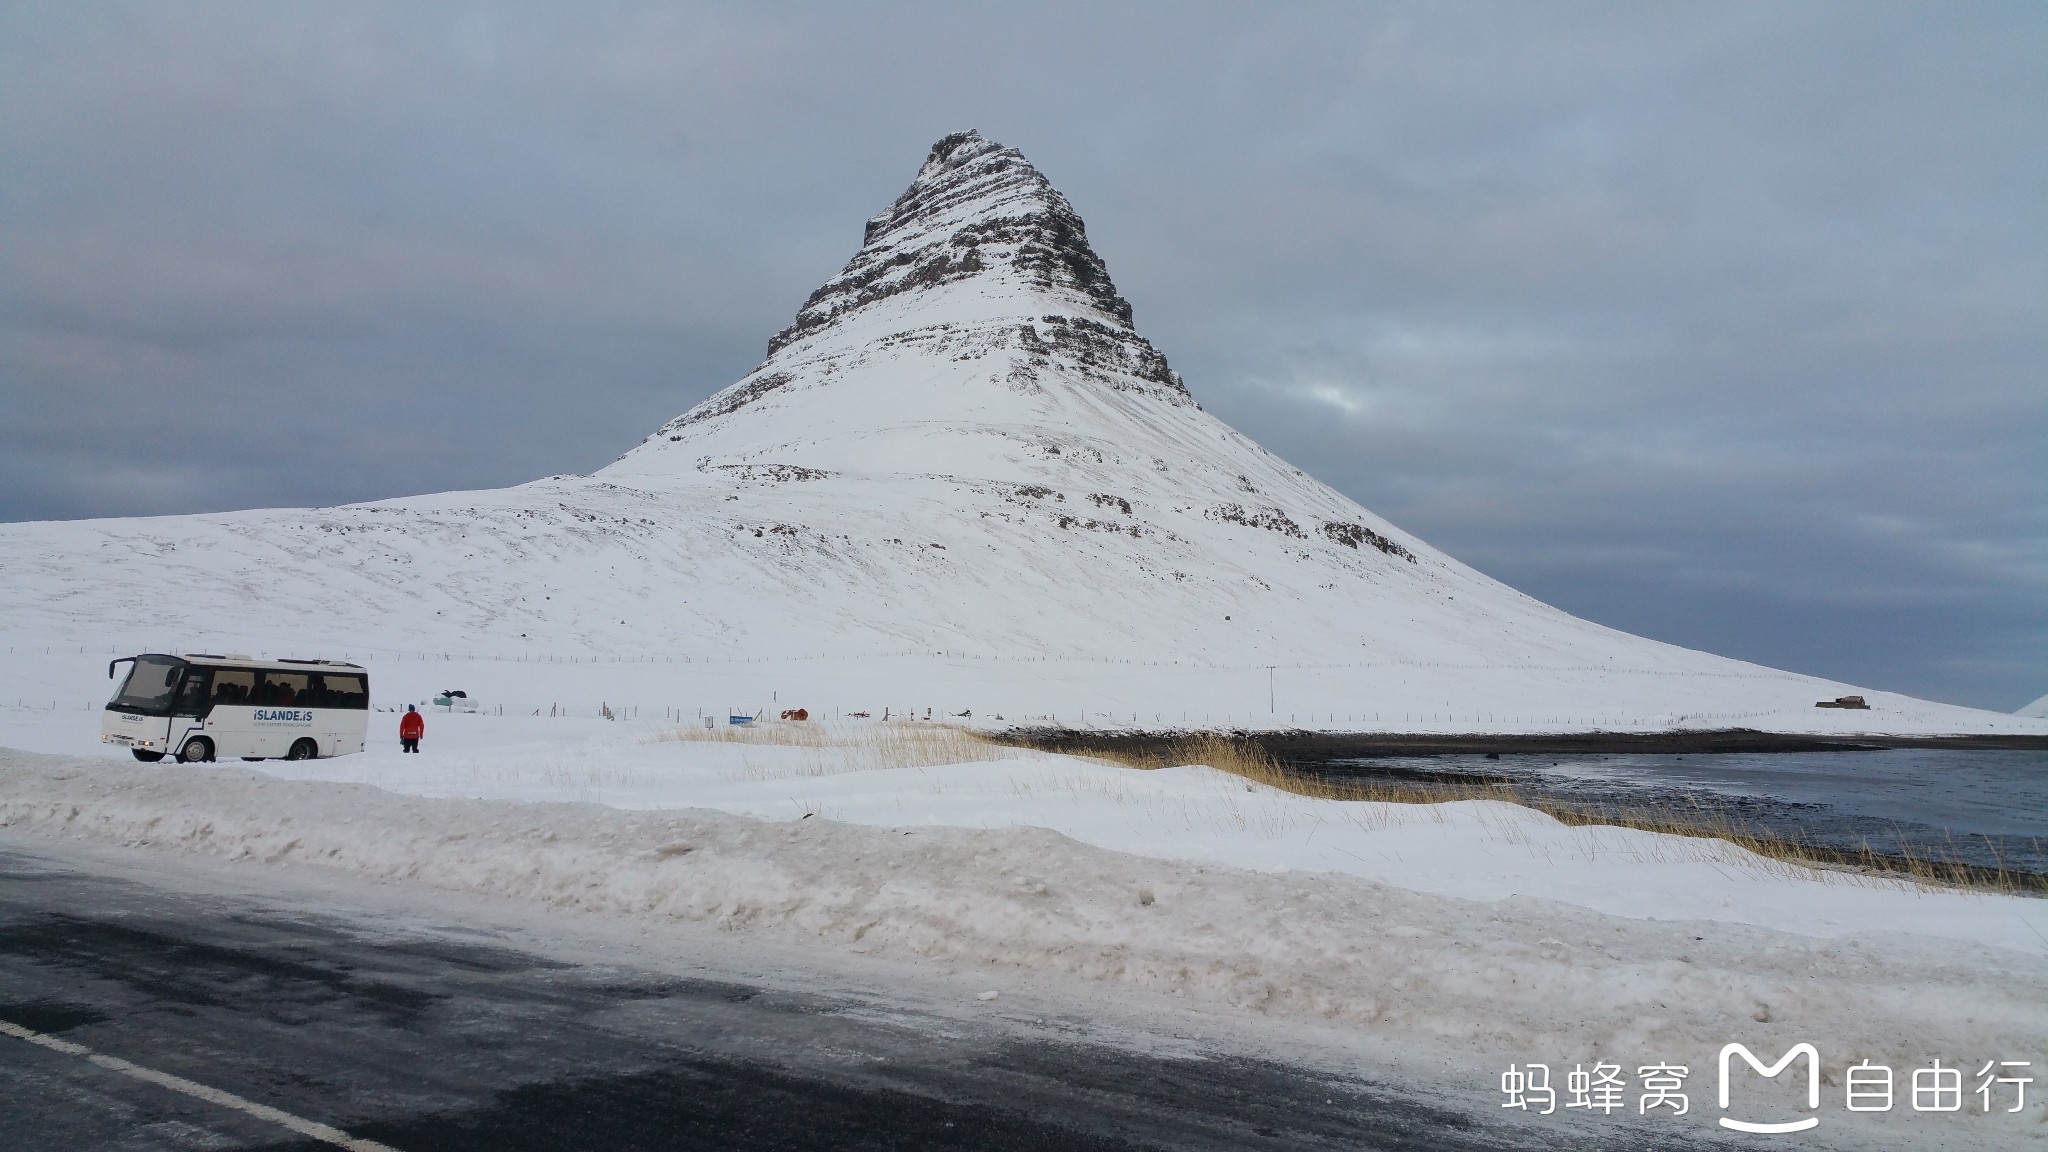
(978, 208)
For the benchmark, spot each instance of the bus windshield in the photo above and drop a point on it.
(150, 685)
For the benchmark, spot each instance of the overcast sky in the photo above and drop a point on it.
(1723, 324)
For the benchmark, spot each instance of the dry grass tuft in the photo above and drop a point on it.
(1248, 760)
(839, 747)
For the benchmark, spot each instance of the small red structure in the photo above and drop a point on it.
(796, 713)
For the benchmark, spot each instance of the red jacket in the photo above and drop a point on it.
(412, 726)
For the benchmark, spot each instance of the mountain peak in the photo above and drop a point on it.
(977, 283)
(977, 210)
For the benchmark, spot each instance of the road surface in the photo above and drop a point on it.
(143, 1016)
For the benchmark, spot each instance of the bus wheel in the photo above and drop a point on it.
(146, 756)
(196, 749)
(303, 750)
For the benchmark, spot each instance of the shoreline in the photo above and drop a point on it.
(1297, 746)
(1313, 764)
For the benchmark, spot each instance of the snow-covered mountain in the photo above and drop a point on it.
(961, 445)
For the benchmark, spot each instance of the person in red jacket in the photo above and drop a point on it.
(411, 727)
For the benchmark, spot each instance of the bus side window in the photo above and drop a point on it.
(347, 692)
(232, 686)
(281, 690)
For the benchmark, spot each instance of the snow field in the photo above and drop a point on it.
(1477, 933)
(70, 673)
(927, 774)
(1209, 897)
(893, 774)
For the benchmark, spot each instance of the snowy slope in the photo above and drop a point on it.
(2037, 710)
(960, 446)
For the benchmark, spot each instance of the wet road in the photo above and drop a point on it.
(434, 1042)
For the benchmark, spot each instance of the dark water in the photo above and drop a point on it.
(1987, 809)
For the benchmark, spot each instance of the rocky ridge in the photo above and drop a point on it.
(980, 212)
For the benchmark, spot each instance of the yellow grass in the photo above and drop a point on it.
(848, 746)
(1246, 759)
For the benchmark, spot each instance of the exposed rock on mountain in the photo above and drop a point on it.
(978, 209)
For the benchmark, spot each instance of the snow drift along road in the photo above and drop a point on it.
(1478, 983)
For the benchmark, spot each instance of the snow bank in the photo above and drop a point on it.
(897, 775)
(1523, 976)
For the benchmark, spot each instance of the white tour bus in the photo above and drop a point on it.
(200, 706)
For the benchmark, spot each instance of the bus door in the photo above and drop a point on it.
(188, 709)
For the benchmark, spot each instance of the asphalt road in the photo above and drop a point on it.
(433, 1041)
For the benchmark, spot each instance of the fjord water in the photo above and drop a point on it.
(1987, 808)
